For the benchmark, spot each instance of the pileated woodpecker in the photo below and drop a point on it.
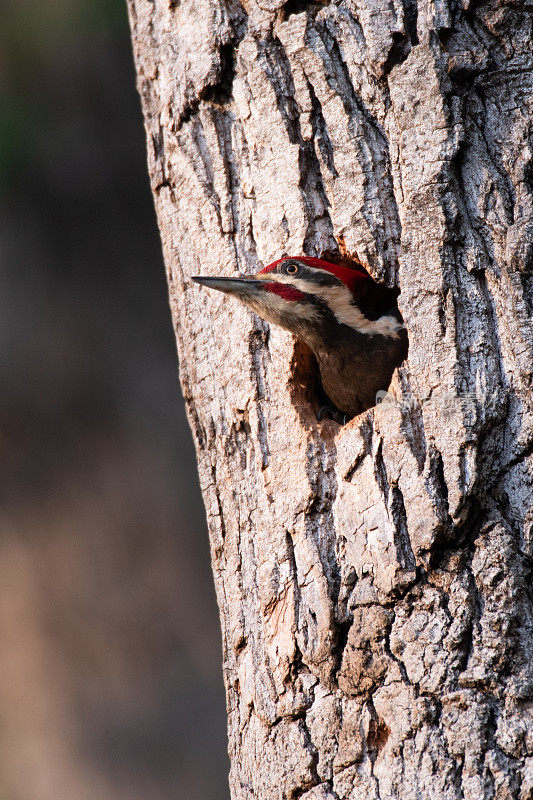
(351, 324)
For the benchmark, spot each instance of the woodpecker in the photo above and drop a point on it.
(351, 324)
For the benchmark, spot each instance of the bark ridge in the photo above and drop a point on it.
(373, 580)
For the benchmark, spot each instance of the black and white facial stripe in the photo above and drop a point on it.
(322, 287)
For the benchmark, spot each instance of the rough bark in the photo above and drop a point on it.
(373, 578)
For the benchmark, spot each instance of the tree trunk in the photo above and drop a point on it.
(372, 578)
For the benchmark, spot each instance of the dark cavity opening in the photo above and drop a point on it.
(307, 393)
(312, 7)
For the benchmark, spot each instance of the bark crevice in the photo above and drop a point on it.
(372, 577)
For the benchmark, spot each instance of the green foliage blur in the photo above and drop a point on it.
(34, 38)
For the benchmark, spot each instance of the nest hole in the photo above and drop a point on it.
(307, 393)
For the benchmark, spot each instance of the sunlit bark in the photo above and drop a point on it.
(372, 579)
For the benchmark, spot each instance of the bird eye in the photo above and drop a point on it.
(291, 268)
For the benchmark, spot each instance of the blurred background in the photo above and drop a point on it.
(110, 655)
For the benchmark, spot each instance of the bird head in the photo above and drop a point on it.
(313, 299)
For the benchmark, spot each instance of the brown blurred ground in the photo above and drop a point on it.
(110, 678)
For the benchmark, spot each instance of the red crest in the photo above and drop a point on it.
(350, 276)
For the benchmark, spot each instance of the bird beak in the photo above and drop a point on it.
(241, 287)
